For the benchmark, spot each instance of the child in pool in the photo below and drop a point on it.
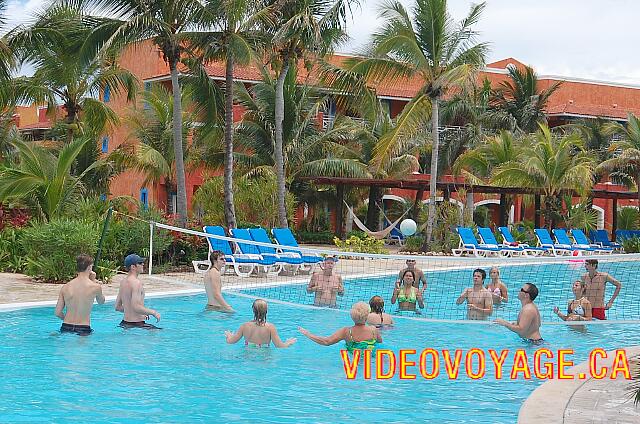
(258, 333)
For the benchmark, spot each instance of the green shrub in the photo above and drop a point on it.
(51, 248)
(361, 245)
(357, 233)
(12, 255)
(324, 237)
(631, 245)
(413, 244)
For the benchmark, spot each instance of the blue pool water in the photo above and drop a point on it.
(187, 373)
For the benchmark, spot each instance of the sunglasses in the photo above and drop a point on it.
(523, 290)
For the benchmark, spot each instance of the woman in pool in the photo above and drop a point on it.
(377, 316)
(497, 288)
(258, 333)
(406, 294)
(359, 336)
(579, 308)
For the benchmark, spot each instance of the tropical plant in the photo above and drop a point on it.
(305, 29)
(579, 216)
(428, 46)
(366, 244)
(626, 150)
(7, 58)
(551, 165)
(169, 24)
(522, 99)
(42, 180)
(628, 218)
(53, 46)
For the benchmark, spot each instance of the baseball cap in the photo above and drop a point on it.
(133, 259)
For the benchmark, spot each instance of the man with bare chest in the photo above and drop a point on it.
(479, 300)
(596, 286)
(326, 284)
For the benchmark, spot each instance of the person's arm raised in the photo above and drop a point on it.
(464, 296)
(99, 295)
(276, 338)
(618, 285)
(524, 320)
(325, 341)
(233, 338)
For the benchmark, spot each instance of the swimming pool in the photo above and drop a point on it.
(186, 372)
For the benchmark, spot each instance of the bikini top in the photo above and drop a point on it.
(495, 291)
(578, 310)
(369, 344)
(402, 297)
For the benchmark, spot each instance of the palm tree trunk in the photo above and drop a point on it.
(434, 169)
(229, 208)
(181, 189)
(416, 204)
(373, 213)
(278, 153)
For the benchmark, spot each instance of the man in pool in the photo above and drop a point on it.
(326, 284)
(78, 296)
(479, 300)
(411, 266)
(528, 324)
(130, 298)
(213, 284)
(596, 285)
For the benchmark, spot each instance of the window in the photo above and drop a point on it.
(105, 144)
(144, 198)
(107, 94)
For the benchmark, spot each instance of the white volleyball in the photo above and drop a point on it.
(408, 227)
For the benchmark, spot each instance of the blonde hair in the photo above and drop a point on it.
(496, 268)
(360, 312)
(260, 311)
(583, 285)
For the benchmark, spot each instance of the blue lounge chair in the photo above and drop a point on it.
(469, 244)
(582, 240)
(284, 237)
(267, 263)
(290, 261)
(489, 240)
(545, 240)
(508, 239)
(563, 238)
(243, 265)
(601, 237)
(395, 236)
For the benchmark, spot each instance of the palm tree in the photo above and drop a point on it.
(522, 99)
(431, 47)
(53, 46)
(152, 128)
(170, 25)
(626, 151)
(550, 165)
(306, 29)
(7, 57)
(43, 180)
(233, 39)
(478, 164)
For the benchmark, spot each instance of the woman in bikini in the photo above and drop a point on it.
(407, 295)
(258, 333)
(497, 288)
(579, 308)
(358, 337)
(377, 316)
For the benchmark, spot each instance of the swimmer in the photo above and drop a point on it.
(213, 284)
(496, 287)
(528, 324)
(479, 300)
(78, 296)
(377, 316)
(579, 308)
(358, 337)
(326, 285)
(407, 295)
(130, 298)
(596, 285)
(258, 333)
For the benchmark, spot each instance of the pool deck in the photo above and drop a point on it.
(587, 401)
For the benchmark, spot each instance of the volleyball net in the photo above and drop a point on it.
(265, 264)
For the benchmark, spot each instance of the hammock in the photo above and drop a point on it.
(375, 234)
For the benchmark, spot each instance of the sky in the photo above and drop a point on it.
(591, 39)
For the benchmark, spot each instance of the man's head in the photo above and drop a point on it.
(529, 290)
(132, 261)
(411, 263)
(328, 263)
(479, 275)
(217, 257)
(84, 263)
(591, 264)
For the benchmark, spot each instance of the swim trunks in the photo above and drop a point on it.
(598, 313)
(138, 324)
(535, 341)
(80, 330)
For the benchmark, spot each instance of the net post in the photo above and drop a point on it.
(105, 227)
(151, 225)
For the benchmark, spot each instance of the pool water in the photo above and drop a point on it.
(187, 373)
